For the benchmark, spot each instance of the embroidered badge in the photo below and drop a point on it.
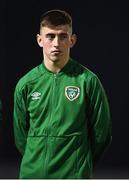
(72, 92)
(36, 95)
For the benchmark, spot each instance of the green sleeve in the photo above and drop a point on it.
(99, 119)
(20, 121)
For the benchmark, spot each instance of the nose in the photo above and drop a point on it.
(56, 41)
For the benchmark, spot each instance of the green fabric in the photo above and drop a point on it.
(61, 122)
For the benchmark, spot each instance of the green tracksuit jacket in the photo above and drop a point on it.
(61, 122)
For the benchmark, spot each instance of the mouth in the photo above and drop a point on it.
(56, 52)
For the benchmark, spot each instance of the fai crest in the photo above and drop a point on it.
(72, 92)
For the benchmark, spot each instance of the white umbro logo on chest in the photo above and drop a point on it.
(36, 95)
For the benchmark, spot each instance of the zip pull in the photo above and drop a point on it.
(55, 75)
(55, 78)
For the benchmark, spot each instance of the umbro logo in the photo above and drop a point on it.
(36, 95)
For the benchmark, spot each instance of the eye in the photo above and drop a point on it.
(50, 36)
(63, 36)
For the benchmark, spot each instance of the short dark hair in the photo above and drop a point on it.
(55, 17)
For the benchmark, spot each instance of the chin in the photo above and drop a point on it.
(55, 59)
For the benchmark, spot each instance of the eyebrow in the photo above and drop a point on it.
(58, 34)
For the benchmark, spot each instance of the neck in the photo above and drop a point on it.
(55, 66)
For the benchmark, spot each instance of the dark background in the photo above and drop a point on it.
(102, 30)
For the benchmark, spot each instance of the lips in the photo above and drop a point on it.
(56, 51)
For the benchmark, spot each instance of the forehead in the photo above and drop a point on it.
(56, 29)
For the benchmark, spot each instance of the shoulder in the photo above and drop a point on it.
(29, 77)
(83, 71)
(86, 75)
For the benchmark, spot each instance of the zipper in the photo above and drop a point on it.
(54, 84)
(55, 78)
(53, 95)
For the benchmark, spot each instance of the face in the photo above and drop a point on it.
(56, 42)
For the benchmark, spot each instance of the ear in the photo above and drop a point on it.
(39, 40)
(73, 40)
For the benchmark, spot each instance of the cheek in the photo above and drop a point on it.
(46, 45)
(46, 48)
(67, 45)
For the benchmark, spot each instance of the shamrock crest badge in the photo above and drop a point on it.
(72, 92)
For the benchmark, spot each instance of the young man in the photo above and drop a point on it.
(61, 114)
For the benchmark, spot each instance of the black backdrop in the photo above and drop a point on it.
(102, 46)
